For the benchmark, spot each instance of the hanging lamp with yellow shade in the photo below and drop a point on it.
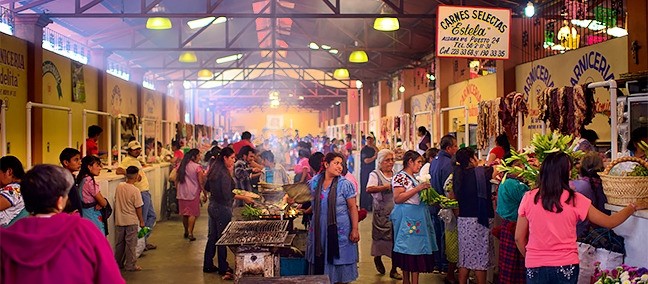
(205, 74)
(386, 24)
(358, 56)
(158, 23)
(188, 57)
(341, 74)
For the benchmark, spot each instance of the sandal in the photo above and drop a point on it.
(228, 276)
(191, 238)
(134, 269)
(395, 275)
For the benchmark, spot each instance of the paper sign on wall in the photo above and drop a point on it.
(473, 32)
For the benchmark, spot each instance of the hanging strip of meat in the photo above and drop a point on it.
(580, 108)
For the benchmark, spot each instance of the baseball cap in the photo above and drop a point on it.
(134, 145)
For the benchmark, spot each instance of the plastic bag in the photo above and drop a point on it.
(609, 259)
(141, 245)
(587, 258)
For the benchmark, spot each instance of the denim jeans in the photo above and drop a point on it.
(567, 274)
(440, 259)
(219, 217)
(147, 210)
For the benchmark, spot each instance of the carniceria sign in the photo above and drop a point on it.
(473, 32)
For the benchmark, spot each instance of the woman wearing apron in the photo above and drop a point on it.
(379, 185)
(414, 240)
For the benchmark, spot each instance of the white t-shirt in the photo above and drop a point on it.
(373, 181)
(11, 192)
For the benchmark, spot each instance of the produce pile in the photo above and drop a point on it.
(250, 213)
(526, 165)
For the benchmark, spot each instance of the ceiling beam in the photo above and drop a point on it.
(228, 15)
(31, 5)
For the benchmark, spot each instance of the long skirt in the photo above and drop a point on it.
(511, 262)
(475, 244)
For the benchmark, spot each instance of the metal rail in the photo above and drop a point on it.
(29, 107)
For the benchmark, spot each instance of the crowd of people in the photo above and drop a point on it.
(49, 208)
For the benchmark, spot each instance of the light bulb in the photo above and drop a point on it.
(529, 10)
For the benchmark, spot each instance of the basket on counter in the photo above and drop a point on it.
(623, 190)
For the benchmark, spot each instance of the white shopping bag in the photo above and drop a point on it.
(609, 259)
(587, 258)
(141, 245)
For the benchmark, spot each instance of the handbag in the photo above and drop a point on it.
(173, 174)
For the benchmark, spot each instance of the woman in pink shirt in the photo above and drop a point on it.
(189, 188)
(546, 229)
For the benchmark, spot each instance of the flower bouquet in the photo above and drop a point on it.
(526, 164)
(623, 274)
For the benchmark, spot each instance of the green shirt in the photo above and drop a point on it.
(509, 196)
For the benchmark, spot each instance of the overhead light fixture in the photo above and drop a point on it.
(325, 47)
(229, 58)
(274, 103)
(386, 24)
(301, 98)
(313, 46)
(617, 32)
(333, 51)
(290, 95)
(188, 57)
(401, 89)
(529, 10)
(341, 74)
(274, 95)
(199, 23)
(358, 84)
(158, 23)
(338, 103)
(430, 77)
(205, 74)
(358, 56)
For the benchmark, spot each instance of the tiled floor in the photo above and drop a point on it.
(176, 260)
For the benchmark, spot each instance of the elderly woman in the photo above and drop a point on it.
(42, 248)
(414, 241)
(333, 238)
(379, 185)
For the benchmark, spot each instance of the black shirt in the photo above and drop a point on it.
(466, 193)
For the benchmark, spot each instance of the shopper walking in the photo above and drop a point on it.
(379, 186)
(333, 239)
(368, 156)
(189, 191)
(546, 229)
(414, 242)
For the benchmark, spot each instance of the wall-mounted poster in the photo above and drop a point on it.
(274, 121)
(473, 32)
(78, 83)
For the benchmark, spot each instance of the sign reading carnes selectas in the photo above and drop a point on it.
(473, 32)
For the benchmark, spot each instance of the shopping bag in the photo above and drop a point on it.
(141, 245)
(609, 259)
(587, 258)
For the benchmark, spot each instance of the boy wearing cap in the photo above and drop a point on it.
(128, 215)
(134, 151)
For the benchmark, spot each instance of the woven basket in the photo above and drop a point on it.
(623, 190)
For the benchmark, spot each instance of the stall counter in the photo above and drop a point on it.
(157, 174)
(634, 231)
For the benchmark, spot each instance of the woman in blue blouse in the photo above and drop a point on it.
(333, 237)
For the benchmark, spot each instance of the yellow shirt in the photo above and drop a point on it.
(128, 161)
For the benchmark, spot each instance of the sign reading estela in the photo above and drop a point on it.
(473, 32)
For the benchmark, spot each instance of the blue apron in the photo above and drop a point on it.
(413, 231)
(94, 216)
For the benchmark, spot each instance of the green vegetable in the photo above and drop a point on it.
(250, 212)
(639, 171)
(432, 197)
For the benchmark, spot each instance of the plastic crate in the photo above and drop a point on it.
(291, 266)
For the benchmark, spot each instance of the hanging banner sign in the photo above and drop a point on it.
(473, 32)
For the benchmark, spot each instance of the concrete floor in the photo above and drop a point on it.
(176, 260)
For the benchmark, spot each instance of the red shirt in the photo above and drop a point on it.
(93, 147)
(238, 145)
(498, 152)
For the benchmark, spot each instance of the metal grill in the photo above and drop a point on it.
(253, 238)
(256, 226)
